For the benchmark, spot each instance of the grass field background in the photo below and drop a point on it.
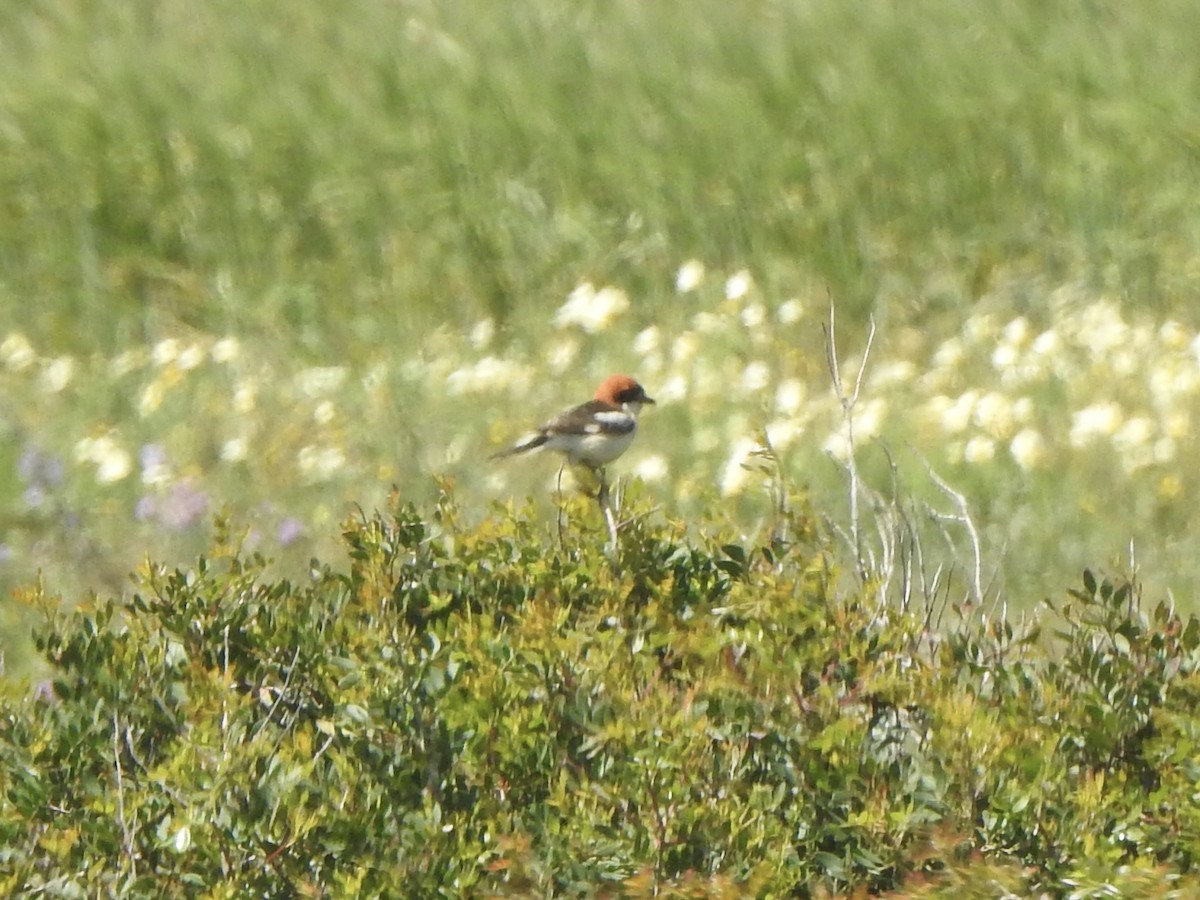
(274, 258)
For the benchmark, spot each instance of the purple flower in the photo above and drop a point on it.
(29, 464)
(153, 456)
(145, 508)
(180, 507)
(38, 469)
(183, 506)
(53, 471)
(289, 530)
(43, 692)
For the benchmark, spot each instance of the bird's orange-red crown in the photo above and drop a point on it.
(613, 387)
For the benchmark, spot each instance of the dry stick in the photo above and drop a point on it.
(848, 403)
(127, 834)
(963, 518)
(909, 544)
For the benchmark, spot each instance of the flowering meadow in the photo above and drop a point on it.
(266, 267)
(1069, 433)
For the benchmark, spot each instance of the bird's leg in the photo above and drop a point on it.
(602, 496)
(562, 515)
(605, 501)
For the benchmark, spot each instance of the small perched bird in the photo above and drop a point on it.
(592, 434)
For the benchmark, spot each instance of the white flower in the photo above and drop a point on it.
(165, 351)
(482, 333)
(1171, 378)
(1028, 449)
(789, 396)
(112, 461)
(562, 355)
(734, 476)
(57, 375)
(320, 463)
(324, 412)
(838, 445)
(225, 350)
(782, 433)
(1022, 409)
(489, 374)
(652, 468)
(1017, 331)
(754, 315)
(790, 312)
(949, 354)
(684, 347)
(651, 363)
(979, 329)
(590, 309)
(16, 352)
(979, 449)
(114, 466)
(738, 285)
(1004, 356)
(124, 363)
(245, 397)
(647, 340)
(1093, 422)
(897, 371)
(689, 276)
(1102, 329)
(1047, 343)
(755, 377)
(190, 357)
(994, 414)
(1164, 450)
(1136, 432)
(320, 381)
(672, 390)
(1173, 335)
(868, 419)
(234, 450)
(958, 415)
(156, 469)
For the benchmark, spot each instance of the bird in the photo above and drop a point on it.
(594, 433)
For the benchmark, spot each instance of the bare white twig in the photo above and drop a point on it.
(964, 519)
(864, 557)
(127, 832)
(885, 531)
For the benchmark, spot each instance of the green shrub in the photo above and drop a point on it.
(485, 709)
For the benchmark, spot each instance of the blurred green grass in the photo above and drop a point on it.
(328, 181)
(360, 186)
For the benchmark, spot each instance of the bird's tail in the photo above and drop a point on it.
(524, 445)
